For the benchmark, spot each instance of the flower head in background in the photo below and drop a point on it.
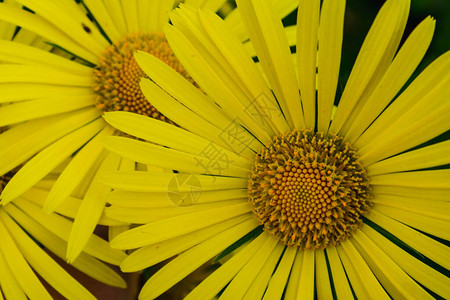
(53, 102)
(308, 198)
(33, 244)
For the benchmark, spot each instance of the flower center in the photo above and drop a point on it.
(308, 190)
(118, 75)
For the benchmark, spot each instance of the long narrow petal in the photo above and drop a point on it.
(267, 36)
(306, 284)
(397, 283)
(419, 242)
(159, 156)
(18, 265)
(359, 273)
(103, 17)
(426, 157)
(43, 28)
(280, 277)
(432, 77)
(331, 31)
(60, 226)
(420, 271)
(190, 260)
(341, 284)
(44, 265)
(76, 170)
(307, 38)
(401, 68)
(374, 57)
(164, 229)
(159, 182)
(90, 209)
(162, 133)
(155, 253)
(85, 263)
(214, 283)
(47, 160)
(44, 107)
(186, 118)
(243, 280)
(13, 52)
(323, 276)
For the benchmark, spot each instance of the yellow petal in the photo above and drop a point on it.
(426, 157)
(40, 165)
(419, 242)
(44, 107)
(421, 272)
(147, 153)
(280, 277)
(426, 207)
(145, 215)
(85, 263)
(179, 183)
(162, 133)
(436, 179)
(41, 74)
(241, 282)
(186, 118)
(341, 284)
(36, 91)
(190, 260)
(322, 276)
(44, 265)
(258, 286)
(130, 12)
(152, 254)
(213, 80)
(434, 76)
(266, 33)
(10, 287)
(374, 57)
(60, 226)
(306, 284)
(431, 225)
(45, 29)
(90, 209)
(412, 192)
(12, 52)
(331, 31)
(155, 200)
(215, 282)
(114, 8)
(72, 175)
(18, 266)
(307, 37)
(361, 277)
(165, 229)
(397, 283)
(401, 68)
(294, 277)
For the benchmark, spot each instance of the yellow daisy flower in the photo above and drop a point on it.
(298, 199)
(31, 240)
(54, 101)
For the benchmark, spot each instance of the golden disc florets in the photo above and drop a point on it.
(117, 77)
(309, 190)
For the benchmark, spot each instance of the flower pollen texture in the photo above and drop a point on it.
(117, 77)
(309, 190)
